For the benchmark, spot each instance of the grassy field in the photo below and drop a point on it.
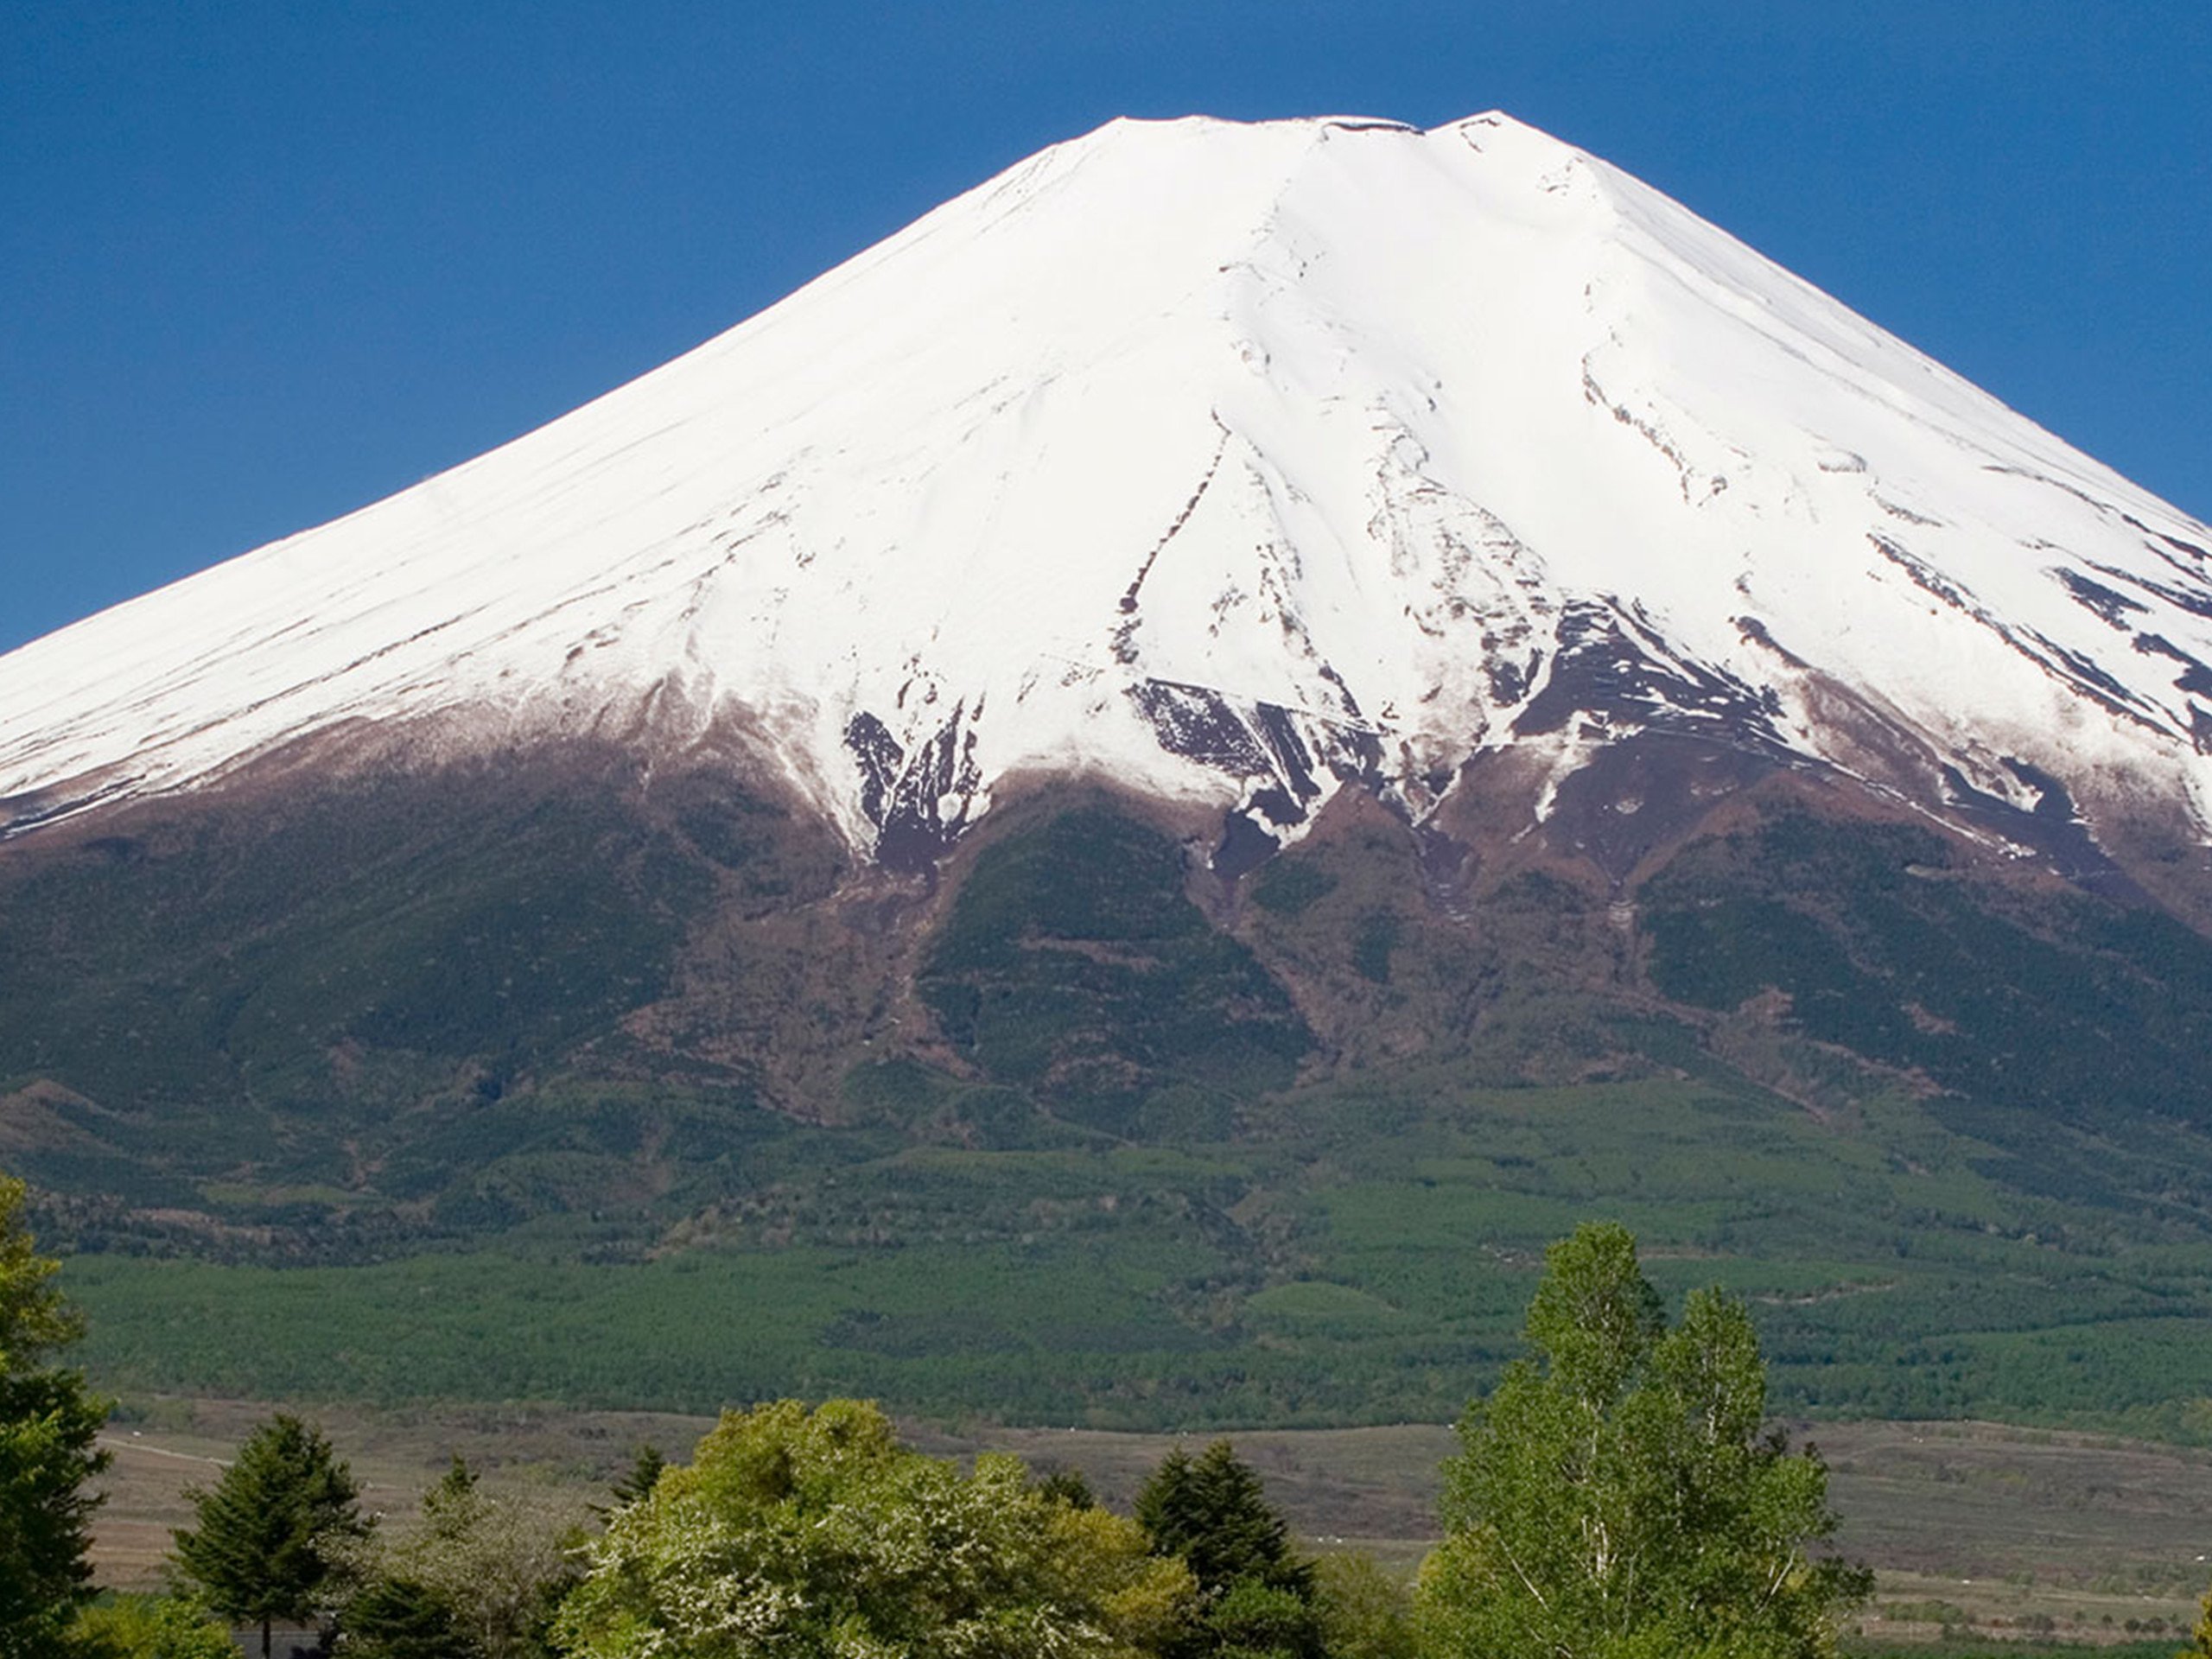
(1970, 1526)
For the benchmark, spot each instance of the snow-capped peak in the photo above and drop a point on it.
(1236, 462)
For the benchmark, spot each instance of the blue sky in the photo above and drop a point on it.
(263, 263)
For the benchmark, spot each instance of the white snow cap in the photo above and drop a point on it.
(1227, 460)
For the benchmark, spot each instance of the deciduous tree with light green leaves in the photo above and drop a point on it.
(816, 1535)
(153, 1627)
(480, 1580)
(1616, 1495)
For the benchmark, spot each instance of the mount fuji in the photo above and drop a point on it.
(1256, 717)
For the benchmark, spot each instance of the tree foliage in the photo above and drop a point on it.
(152, 1627)
(277, 1532)
(638, 1480)
(635, 1482)
(2200, 1646)
(398, 1617)
(815, 1532)
(480, 1580)
(1615, 1497)
(1365, 1613)
(49, 1435)
(1255, 1596)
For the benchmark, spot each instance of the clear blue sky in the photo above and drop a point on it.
(263, 263)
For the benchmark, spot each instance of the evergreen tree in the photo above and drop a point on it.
(451, 1504)
(274, 1532)
(1064, 1485)
(1255, 1596)
(403, 1618)
(636, 1482)
(49, 1434)
(1615, 1497)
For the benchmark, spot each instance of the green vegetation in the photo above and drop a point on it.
(275, 1534)
(49, 1450)
(1617, 1496)
(365, 1102)
(151, 1627)
(481, 1578)
(817, 1533)
(2051, 1022)
(1252, 1595)
(1614, 1498)
(1072, 967)
(1360, 1253)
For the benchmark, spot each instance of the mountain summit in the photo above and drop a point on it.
(1236, 464)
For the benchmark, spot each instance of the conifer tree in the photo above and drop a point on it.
(1255, 1596)
(403, 1618)
(636, 1482)
(274, 1532)
(49, 1434)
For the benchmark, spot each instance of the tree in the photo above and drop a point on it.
(49, 1449)
(1615, 1496)
(636, 1481)
(815, 1533)
(394, 1618)
(152, 1627)
(1365, 1613)
(643, 1475)
(275, 1533)
(481, 1580)
(2200, 1646)
(1256, 1597)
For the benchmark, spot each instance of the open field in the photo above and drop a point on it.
(1971, 1525)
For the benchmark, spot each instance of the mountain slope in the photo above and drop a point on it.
(1120, 807)
(1231, 463)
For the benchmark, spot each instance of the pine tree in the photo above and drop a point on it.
(635, 1483)
(452, 1504)
(403, 1619)
(49, 1432)
(274, 1532)
(1255, 1596)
